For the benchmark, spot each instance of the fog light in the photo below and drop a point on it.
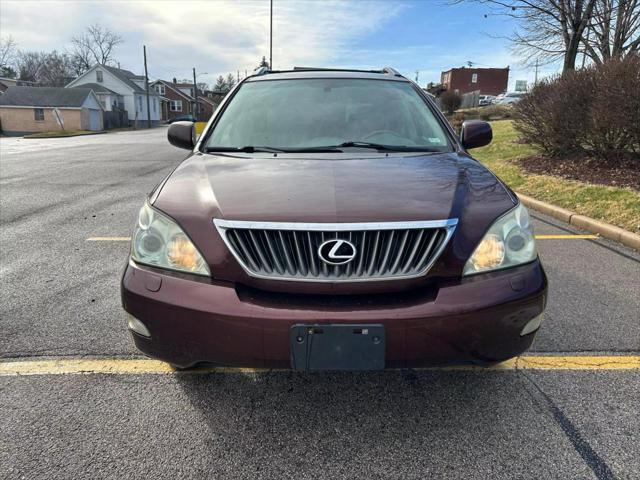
(138, 327)
(532, 325)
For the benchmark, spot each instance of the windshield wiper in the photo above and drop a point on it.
(245, 149)
(387, 148)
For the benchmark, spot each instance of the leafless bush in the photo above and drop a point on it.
(595, 110)
(451, 101)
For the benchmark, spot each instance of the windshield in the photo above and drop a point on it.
(312, 113)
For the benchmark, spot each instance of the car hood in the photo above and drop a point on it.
(333, 188)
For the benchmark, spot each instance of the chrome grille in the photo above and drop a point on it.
(289, 251)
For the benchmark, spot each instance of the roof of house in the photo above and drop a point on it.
(126, 77)
(96, 87)
(174, 87)
(44, 96)
(209, 100)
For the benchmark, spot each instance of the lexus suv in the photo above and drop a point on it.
(332, 220)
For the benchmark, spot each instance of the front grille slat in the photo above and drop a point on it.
(380, 251)
(427, 250)
(414, 251)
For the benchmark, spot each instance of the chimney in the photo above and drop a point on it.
(174, 80)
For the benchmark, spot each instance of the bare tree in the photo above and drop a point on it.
(614, 30)
(96, 45)
(55, 71)
(29, 65)
(7, 55)
(548, 30)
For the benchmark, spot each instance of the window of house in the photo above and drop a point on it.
(38, 114)
(155, 108)
(99, 76)
(160, 89)
(140, 103)
(176, 105)
(474, 78)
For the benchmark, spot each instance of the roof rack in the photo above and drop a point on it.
(386, 70)
(261, 70)
(391, 71)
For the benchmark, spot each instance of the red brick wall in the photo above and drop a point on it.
(490, 81)
(173, 95)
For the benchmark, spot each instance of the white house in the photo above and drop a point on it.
(121, 86)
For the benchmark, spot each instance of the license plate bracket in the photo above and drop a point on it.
(337, 347)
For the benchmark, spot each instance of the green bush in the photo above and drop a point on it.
(594, 111)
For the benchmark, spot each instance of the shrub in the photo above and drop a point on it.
(456, 120)
(450, 101)
(595, 110)
(495, 112)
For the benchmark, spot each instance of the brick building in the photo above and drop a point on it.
(177, 100)
(490, 81)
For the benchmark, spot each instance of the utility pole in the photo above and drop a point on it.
(146, 85)
(271, 36)
(535, 79)
(195, 95)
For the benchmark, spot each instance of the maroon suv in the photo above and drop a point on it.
(332, 219)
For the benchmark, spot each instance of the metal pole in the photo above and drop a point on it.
(146, 85)
(271, 36)
(535, 80)
(195, 95)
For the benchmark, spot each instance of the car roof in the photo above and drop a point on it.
(310, 72)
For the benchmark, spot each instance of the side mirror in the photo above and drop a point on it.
(475, 133)
(182, 135)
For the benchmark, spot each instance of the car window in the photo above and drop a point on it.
(294, 114)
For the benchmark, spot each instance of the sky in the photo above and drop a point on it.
(223, 36)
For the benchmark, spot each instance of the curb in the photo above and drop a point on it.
(29, 137)
(603, 229)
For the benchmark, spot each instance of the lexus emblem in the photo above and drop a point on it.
(337, 251)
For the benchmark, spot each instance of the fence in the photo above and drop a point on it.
(471, 99)
(116, 118)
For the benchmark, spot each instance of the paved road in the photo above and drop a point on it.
(59, 298)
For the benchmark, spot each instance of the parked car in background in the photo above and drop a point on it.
(485, 100)
(332, 220)
(182, 118)
(511, 97)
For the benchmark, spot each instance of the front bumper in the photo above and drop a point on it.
(478, 319)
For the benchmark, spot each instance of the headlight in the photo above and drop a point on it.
(509, 242)
(159, 242)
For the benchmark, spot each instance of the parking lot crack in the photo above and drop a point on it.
(580, 444)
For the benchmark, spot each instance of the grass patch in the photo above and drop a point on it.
(618, 206)
(61, 133)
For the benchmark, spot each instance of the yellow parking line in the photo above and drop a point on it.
(108, 239)
(120, 366)
(565, 237)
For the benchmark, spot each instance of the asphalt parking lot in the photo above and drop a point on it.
(60, 300)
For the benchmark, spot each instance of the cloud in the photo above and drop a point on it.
(214, 36)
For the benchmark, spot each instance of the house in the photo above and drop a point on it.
(109, 99)
(125, 85)
(488, 81)
(177, 100)
(6, 82)
(31, 109)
